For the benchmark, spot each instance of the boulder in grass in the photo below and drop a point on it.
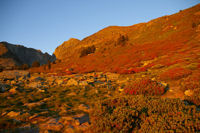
(34, 85)
(2, 88)
(14, 90)
(83, 83)
(189, 93)
(72, 82)
(13, 114)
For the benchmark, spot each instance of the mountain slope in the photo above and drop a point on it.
(162, 41)
(15, 55)
(66, 49)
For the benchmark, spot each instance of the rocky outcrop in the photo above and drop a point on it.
(66, 49)
(12, 55)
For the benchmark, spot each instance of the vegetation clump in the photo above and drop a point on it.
(144, 114)
(192, 83)
(145, 87)
(175, 73)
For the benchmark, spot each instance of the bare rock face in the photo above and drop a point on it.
(12, 55)
(66, 49)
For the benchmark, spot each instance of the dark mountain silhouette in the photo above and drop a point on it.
(15, 55)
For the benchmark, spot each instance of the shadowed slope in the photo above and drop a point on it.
(14, 55)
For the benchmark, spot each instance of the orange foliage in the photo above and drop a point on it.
(146, 87)
(175, 73)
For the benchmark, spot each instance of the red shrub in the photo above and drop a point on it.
(198, 66)
(168, 62)
(68, 72)
(146, 87)
(192, 83)
(175, 73)
(124, 71)
(133, 70)
(139, 69)
(149, 65)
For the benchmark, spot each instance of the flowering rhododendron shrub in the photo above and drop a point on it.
(146, 87)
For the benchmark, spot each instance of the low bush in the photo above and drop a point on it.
(145, 87)
(133, 70)
(192, 83)
(144, 114)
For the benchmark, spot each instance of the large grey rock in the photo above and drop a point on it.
(2, 88)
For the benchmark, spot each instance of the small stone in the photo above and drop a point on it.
(72, 82)
(36, 79)
(164, 84)
(72, 94)
(32, 105)
(13, 90)
(40, 90)
(120, 89)
(83, 83)
(33, 116)
(59, 81)
(34, 85)
(2, 88)
(84, 107)
(189, 92)
(13, 82)
(13, 114)
(77, 123)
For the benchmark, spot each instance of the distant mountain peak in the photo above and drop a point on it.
(13, 55)
(66, 48)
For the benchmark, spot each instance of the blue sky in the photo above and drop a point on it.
(45, 24)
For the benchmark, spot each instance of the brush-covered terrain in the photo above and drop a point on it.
(140, 78)
(95, 102)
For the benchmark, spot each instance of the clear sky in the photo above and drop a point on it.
(45, 24)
